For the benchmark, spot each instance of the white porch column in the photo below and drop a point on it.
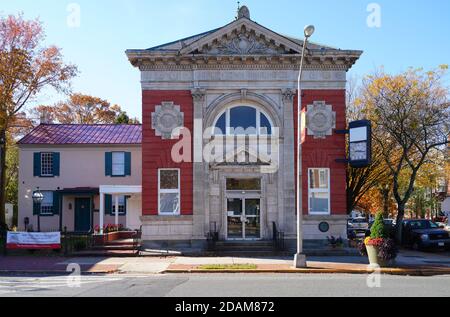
(102, 211)
(117, 210)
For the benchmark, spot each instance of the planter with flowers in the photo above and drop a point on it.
(112, 233)
(381, 250)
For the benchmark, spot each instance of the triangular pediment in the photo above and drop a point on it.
(242, 155)
(242, 37)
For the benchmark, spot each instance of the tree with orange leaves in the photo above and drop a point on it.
(26, 68)
(83, 109)
(411, 120)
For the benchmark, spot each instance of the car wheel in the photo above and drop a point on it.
(416, 246)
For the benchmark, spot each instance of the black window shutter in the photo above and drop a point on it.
(37, 164)
(56, 164)
(108, 164)
(127, 164)
(108, 204)
(56, 202)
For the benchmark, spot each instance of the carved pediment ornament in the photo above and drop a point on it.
(166, 118)
(244, 43)
(320, 120)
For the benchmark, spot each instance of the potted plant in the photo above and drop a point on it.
(335, 243)
(381, 250)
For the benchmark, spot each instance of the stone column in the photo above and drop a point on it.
(288, 169)
(199, 230)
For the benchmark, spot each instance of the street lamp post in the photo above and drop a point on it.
(300, 258)
(38, 197)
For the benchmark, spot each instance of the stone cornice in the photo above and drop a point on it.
(339, 60)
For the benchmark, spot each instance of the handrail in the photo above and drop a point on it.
(278, 238)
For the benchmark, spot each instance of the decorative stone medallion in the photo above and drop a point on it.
(166, 118)
(320, 120)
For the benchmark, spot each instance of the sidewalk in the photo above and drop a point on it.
(408, 263)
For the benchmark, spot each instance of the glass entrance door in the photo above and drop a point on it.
(252, 225)
(244, 218)
(235, 218)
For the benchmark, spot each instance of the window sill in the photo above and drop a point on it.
(47, 215)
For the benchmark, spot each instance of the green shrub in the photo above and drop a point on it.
(378, 230)
(80, 243)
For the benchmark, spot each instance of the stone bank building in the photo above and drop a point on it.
(234, 86)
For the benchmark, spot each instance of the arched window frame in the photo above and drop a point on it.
(227, 113)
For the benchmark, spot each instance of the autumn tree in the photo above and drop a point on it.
(80, 109)
(26, 68)
(410, 116)
(361, 181)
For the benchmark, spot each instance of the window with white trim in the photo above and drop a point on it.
(122, 206)
(46, 164)
(118, 163)
(243, 120)
(169, 191)
(47, 203)
(319, 191)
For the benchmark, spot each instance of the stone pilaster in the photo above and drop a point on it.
(288, 171)
(200, 217)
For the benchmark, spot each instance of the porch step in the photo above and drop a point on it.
(114, 247)
(121, 242)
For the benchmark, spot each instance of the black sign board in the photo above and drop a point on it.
(360, 145)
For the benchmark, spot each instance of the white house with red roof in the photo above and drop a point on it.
(71, 165)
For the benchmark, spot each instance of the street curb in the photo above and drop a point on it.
(403, 272)
(36, 272)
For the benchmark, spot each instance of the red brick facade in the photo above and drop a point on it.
(317, 153)
(322, 153)
(156, 152)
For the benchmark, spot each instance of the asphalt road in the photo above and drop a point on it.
(223, 285)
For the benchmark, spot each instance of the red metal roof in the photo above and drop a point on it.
(60, 134)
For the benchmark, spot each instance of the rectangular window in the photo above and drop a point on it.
(46, 164)
(122, 207)
(169, 191)
(47, 203)
(319, 191)
(118, 164)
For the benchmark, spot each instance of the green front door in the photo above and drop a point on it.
(82, 214)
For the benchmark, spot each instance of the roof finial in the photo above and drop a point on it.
(243, 12)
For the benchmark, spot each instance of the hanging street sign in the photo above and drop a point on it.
(360, 145)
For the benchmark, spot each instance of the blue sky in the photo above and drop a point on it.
(413, 33)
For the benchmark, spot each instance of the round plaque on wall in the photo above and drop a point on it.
(324, 227)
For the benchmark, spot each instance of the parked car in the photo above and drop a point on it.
(359, 223)
(357, 227)
(424, 234)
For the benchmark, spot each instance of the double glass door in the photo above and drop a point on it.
(244, 218)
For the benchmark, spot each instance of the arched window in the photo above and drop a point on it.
(243, 120)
